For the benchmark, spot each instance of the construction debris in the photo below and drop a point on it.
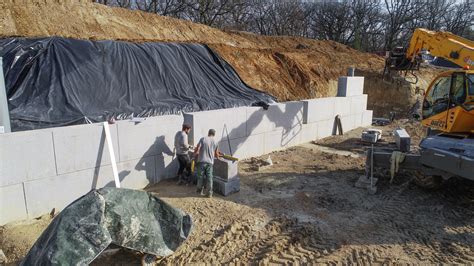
(371, 135)
(403, 139)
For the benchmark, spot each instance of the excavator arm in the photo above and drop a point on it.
(457, 50)
(451, 47)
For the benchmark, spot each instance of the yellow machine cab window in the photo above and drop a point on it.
(437, 98)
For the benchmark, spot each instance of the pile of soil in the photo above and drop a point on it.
(289, 68)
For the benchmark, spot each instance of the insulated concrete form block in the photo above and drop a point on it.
(357, 120)
(350, 86)
(349, 122)
(154, 136)
(342, 106)
(234, 120)
(26, 156)
(166, 167)
(243, 148)
(320, 109)
(326, 128)
(83, 147)
(286, 116)
(258, 121)
(225, 187)
(226, 169)
(279, 139)
(309, 132)
(42, 195)
(136, 174)
(358, 104)
(12, 204)
(367, 118)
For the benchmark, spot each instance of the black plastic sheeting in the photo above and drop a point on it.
(128, 218)
(58, 81)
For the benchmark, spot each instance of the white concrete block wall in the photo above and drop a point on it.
(309, 132)
(342, 106)
(232, 119)
(12, 203)
(154, 136)
(326, 128)
(321, 109)
(82, 147)
(358, 104)
(367, 118)
(50, 168)
(245, 147)
(26, 156)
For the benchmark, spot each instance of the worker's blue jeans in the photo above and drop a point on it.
(205, 175)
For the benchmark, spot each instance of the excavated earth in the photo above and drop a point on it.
(289, 68)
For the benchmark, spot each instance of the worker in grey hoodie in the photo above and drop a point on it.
(206, 151)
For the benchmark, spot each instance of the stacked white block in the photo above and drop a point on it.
(281, 125)
(49, 168)
(250, 131)
(319, 118)
(229, 122)
(350, 86)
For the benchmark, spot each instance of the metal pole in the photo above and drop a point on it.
(372, 167)
(4, 113)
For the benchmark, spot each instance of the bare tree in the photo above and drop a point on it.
(368, 25)
(400, 13)
(332, 21)
(173, 8)
(459, 19)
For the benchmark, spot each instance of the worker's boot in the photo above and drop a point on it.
(200, 191)
(180, 180)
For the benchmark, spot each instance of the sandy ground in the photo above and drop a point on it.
(305, 208)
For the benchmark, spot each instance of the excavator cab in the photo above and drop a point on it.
(448, 105)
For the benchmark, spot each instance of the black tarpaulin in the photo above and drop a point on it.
(57, 81)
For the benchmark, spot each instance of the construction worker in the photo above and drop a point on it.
(182, 149)
(205, 152)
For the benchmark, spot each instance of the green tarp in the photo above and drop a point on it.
(132, 219)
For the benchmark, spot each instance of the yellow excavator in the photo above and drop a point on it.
(447, 110)
(449, 100)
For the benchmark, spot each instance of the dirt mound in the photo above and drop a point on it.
(289, 68)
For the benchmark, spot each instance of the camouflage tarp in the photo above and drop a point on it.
(129, 218)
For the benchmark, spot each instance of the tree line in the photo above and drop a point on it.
(366, 25)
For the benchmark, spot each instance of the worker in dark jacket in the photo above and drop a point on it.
(182, 153)
(206, 151)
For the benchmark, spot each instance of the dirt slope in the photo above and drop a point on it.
(289, 68)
